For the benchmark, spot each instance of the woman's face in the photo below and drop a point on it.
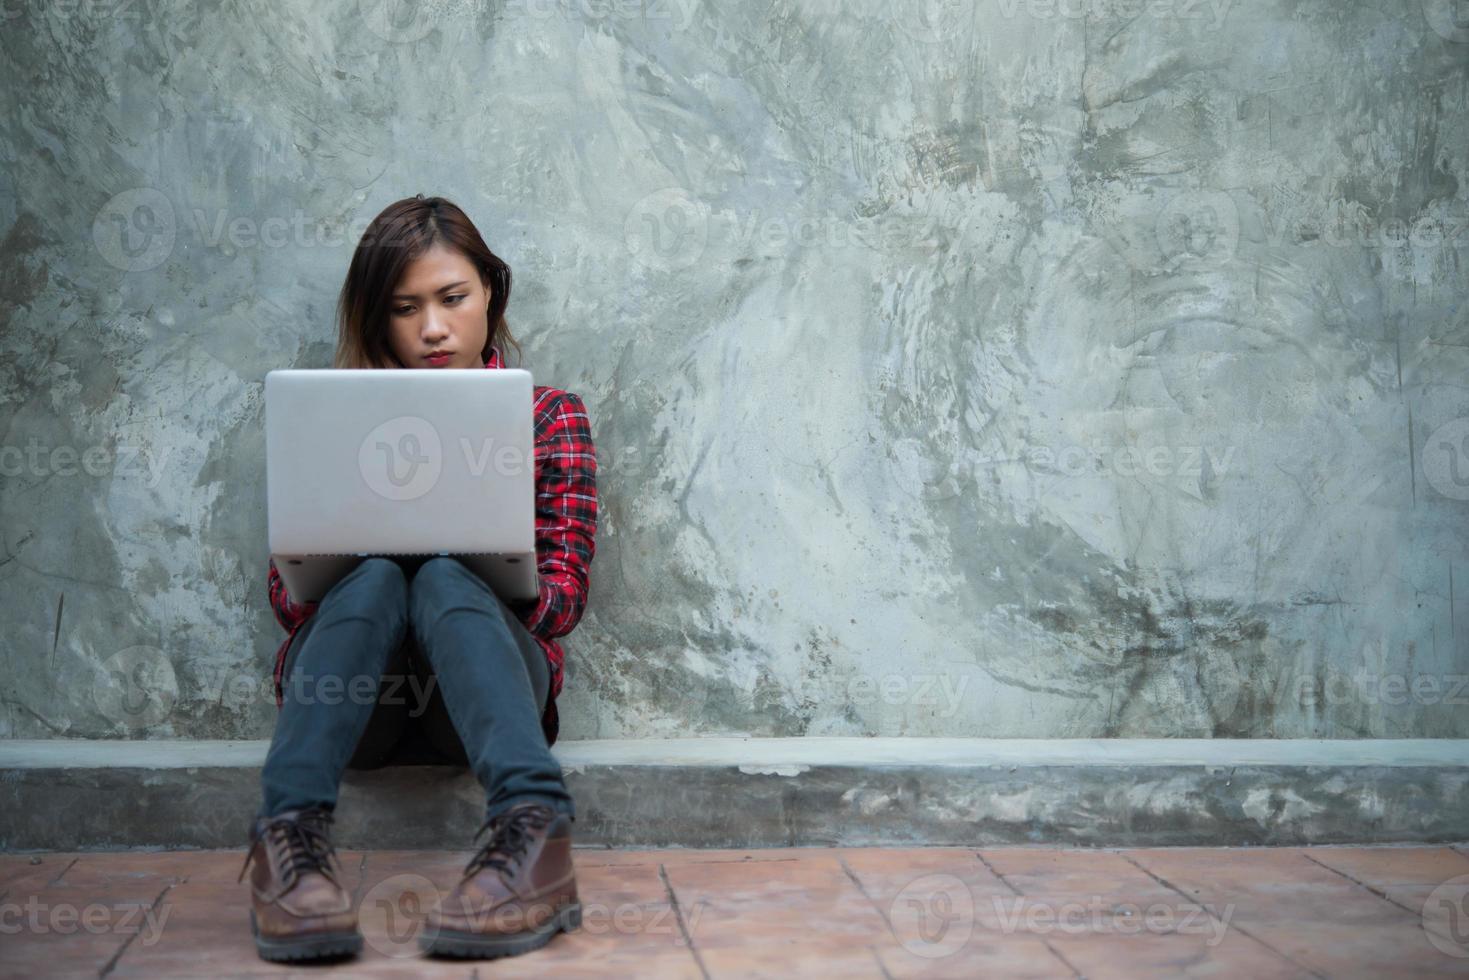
(438, 308)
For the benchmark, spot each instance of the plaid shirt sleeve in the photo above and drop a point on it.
(566, 518)
(288, 613)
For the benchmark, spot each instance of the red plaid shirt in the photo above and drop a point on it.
(566, 522)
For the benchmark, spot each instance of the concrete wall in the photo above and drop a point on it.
(1087, 368)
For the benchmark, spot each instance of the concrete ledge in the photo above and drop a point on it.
(762, 792)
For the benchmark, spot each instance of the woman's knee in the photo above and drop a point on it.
(444, 581)
(441, 569)
(376, 585)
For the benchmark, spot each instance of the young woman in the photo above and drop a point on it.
(424, 291)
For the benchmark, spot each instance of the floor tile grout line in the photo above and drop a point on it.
(62, 873)
(870, 901)
(881, 966)
(998, 874)
(739, 860)
(111, 963)
(1007, 883)
(361, 873)
(1243, 931)
(1378, 893)
(682, 925)
(53, 882)
(877, 957)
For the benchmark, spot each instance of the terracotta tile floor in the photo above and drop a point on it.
(847, 912)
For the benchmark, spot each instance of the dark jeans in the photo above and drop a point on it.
(406, 643)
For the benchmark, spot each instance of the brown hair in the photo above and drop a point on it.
(401, 233)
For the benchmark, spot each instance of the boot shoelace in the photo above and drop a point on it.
(510, 835)
(307, 846)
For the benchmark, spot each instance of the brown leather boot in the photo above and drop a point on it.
(516, 893)
(299, 909)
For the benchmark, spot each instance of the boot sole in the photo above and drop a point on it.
(325, 946)
(469, 945)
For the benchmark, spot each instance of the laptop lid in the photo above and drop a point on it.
(415, 461)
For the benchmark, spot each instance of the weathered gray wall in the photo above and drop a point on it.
(1015, 369)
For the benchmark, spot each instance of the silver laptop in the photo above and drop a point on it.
(407, 463)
